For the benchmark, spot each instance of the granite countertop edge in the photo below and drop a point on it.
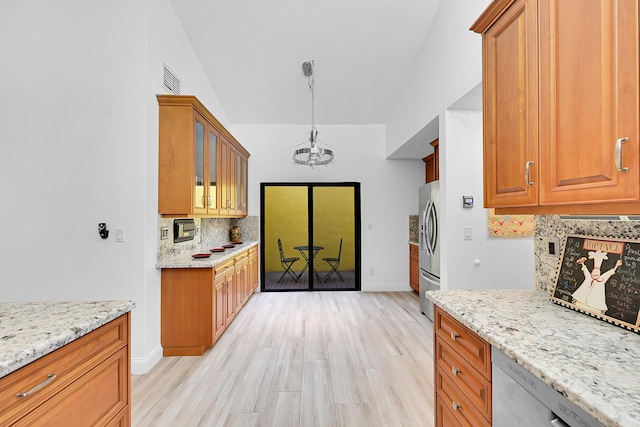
(593, 363)
(31, 330)
(187, 261)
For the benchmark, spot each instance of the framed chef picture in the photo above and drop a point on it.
(600, 277)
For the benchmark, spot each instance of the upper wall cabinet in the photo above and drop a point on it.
(196, 170)
(561, 106)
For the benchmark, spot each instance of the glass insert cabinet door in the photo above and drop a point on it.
(199, 190)
(205, 195)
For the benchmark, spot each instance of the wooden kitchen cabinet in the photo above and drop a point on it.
(432, 163)
(462, 368)
(197, 304)
(196, 161)
(252, 282)
(227, 270)
(561, 106)
(92, 384)
(414, 268)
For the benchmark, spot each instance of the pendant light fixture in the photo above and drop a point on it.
(312, 154)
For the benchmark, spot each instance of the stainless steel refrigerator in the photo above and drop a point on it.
(429, 243)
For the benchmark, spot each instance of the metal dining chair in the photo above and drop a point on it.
(287, 263)
(334, 263)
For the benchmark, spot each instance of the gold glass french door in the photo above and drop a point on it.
(310, 234)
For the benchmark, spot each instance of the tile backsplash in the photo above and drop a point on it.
(555, 226)
(214, 232)
(413, 228)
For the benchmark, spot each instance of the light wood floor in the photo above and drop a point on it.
(301, 359)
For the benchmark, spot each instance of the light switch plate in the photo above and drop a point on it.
(164, 233)
(551, 247)
(468, 232)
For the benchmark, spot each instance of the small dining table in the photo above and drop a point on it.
(313, 251)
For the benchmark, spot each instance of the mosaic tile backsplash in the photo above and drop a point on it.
(555, 226)
(214, 232)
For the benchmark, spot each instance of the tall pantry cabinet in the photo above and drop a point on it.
(561, 105)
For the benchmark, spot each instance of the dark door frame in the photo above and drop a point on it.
(357, 230)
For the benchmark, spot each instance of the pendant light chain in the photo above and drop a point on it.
(312, 86)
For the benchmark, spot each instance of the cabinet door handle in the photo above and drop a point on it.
(456, 406)
(618, 155)
(208, 200)
(456, 371)
(527, 173)
(39, 387)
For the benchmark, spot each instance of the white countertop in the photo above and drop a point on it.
(185, 260)
(593, 363)
(30, 330)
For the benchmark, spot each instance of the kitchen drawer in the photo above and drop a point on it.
(67, 363)
(476, 387)
(444, 414)
(241, 256)
(95, 399)
(473, 348)
(461, 407)
(224, 266)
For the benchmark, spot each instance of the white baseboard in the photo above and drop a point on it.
(142, 365)
(385, 287)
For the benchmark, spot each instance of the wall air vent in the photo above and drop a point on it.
(170, 81)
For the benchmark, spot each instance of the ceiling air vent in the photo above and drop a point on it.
(171, 82)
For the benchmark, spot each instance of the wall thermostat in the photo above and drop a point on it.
(467, 201)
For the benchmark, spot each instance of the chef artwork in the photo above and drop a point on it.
(600, 277)
(591, 294)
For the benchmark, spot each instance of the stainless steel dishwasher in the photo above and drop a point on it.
(521, 399)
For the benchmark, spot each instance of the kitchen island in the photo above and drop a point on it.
(57, 357)
(593, 363)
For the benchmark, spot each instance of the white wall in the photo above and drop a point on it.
(74, 153)
(447, 67)
(389, 188)
(79, 146)
(504, 263)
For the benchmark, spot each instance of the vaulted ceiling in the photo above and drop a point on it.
(253, 50)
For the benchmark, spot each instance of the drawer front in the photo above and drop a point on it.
(461, 407)
(444, 415)
(241, 256)
(223, 267)
(476, 387)
(67, 363)
(473, 348)
(94, 399)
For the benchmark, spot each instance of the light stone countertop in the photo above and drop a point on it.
(593, 363)
(180, 259)
(30, 330)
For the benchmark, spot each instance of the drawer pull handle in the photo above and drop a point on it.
(456, 371)
(456, 406)
(39, 387)
(527, 173)
(454, 336)
(618, 154)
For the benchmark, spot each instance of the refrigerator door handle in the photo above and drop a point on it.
(431, 221)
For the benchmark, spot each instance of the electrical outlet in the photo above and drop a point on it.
(164, 233)
(551, 247)
(371, 272)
